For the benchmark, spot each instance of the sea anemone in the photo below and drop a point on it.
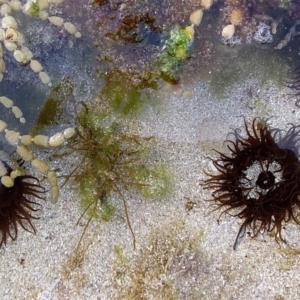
(259, 181)
(16, 207)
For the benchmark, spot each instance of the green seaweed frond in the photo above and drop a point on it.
(111, 162)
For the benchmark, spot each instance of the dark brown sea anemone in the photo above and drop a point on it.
(259, 181)
(16, 208)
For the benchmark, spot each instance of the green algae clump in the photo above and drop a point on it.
(110, 163)
(176, 50)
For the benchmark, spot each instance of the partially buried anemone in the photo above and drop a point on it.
(259, 181)
(16, 205)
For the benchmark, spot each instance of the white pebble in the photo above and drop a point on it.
(15, 5)
(52, 178)
(16, 173)
(5, 9)
(26, 140)
(1, 77)
(77, 35)
(9, 21)
(54, 194)
(24, 153)
(228, 31)
(3, 170)
(22, 120)
(57, 21)
(6, 102)
(44, 77)
(19, 56)
(12, 137)
(69, 132)
(196, 17)
(56, 140)
(2, 66)
(21, 40)
(70, 28)
(35, 66)
(41, 140)
(190, 31)
(3, 126)
(40, 165)
(7, 181)
(56, 1)
(27, 53)
(10, 46)
(11, 34)
(43, 15)
(43, 4)
(17, 112)
(2, 35)
(207, 3)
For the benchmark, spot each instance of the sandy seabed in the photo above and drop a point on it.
(180, 253)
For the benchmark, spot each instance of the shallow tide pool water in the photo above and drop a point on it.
(152, 96)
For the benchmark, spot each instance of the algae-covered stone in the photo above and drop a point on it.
(176, 50)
